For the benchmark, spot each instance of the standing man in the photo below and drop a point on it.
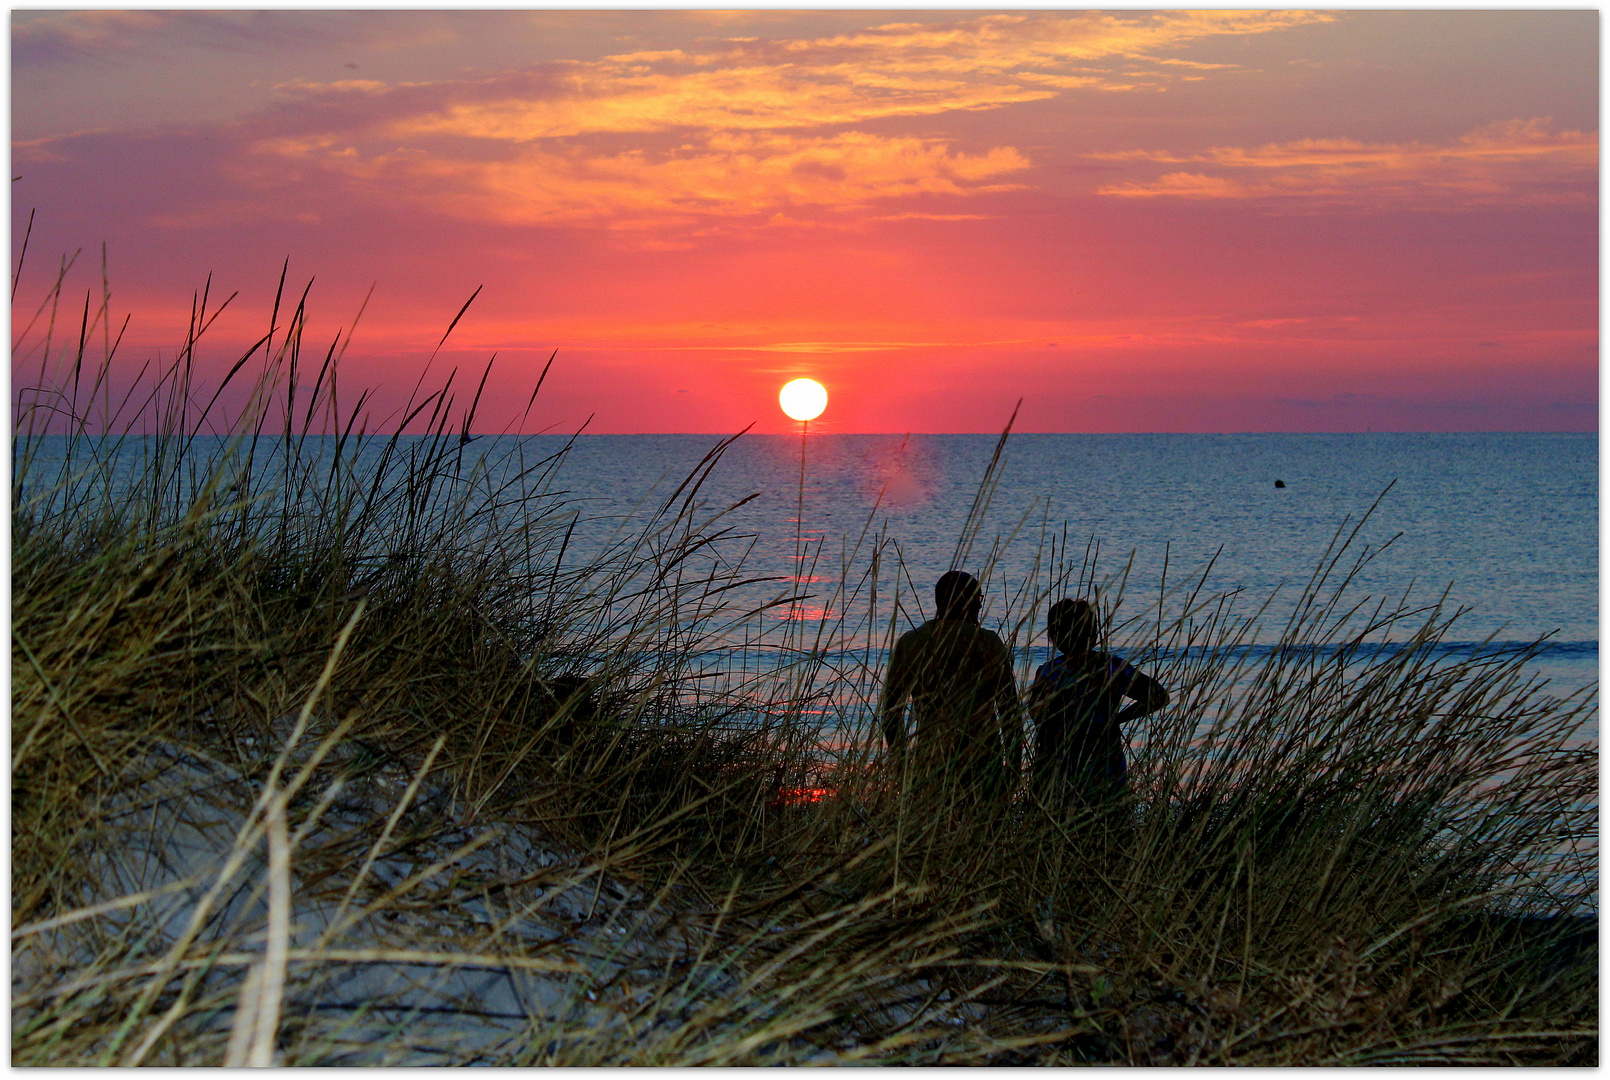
(967, 742)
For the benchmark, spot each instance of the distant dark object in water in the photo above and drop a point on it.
(1280, 483)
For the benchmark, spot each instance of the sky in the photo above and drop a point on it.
(1197, 221)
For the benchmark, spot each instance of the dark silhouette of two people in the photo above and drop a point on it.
(965, 742)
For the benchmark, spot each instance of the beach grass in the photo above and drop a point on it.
(328, 748)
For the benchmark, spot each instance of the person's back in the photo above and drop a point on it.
(1075, 738)
(957, 676)
(954, 672)
(1077, 704)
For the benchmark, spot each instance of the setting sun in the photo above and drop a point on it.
(803, 399)
(1182, 307)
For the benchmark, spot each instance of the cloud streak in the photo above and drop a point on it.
(1510, 163)
(899, 70)
(678, 139)
(47, 38)
(812, 347)
(725, 175)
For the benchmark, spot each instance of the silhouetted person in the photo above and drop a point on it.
(1076, 701)
(967, 738)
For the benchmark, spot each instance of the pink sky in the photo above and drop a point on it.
(1186, 221)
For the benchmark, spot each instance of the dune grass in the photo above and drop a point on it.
(328, 748)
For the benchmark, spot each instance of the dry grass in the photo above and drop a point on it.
(304, 772)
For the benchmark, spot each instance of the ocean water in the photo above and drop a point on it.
(1504, 525)
(1501, 526)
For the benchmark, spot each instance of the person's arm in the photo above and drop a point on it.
(892, 707)
(1149, 696)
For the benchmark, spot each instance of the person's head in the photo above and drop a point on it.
(1072, 627)
(958, 596)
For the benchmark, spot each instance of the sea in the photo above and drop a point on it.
(810, 552)
(1501, 528)
(839, 538)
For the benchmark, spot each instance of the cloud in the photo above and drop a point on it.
(902, 69)
(1508, 163)
(745, 126)
(46, 38)
(780, 131)
(829, 347)
(79, 35)
(725, 175)
(1007, 42)
(912, 215)
(732, 98)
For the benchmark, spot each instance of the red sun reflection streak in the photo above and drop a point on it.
(803, 796)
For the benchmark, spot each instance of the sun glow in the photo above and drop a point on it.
(803, 399)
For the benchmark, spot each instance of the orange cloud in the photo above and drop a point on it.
(543, 146)
(728, 174)
(1008, 42)
(753, 98)
(895, 70)
(1514, 162)
(680, 140)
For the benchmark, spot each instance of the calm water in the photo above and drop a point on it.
(1507, 524)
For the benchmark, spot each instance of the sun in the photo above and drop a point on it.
(803, 399)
